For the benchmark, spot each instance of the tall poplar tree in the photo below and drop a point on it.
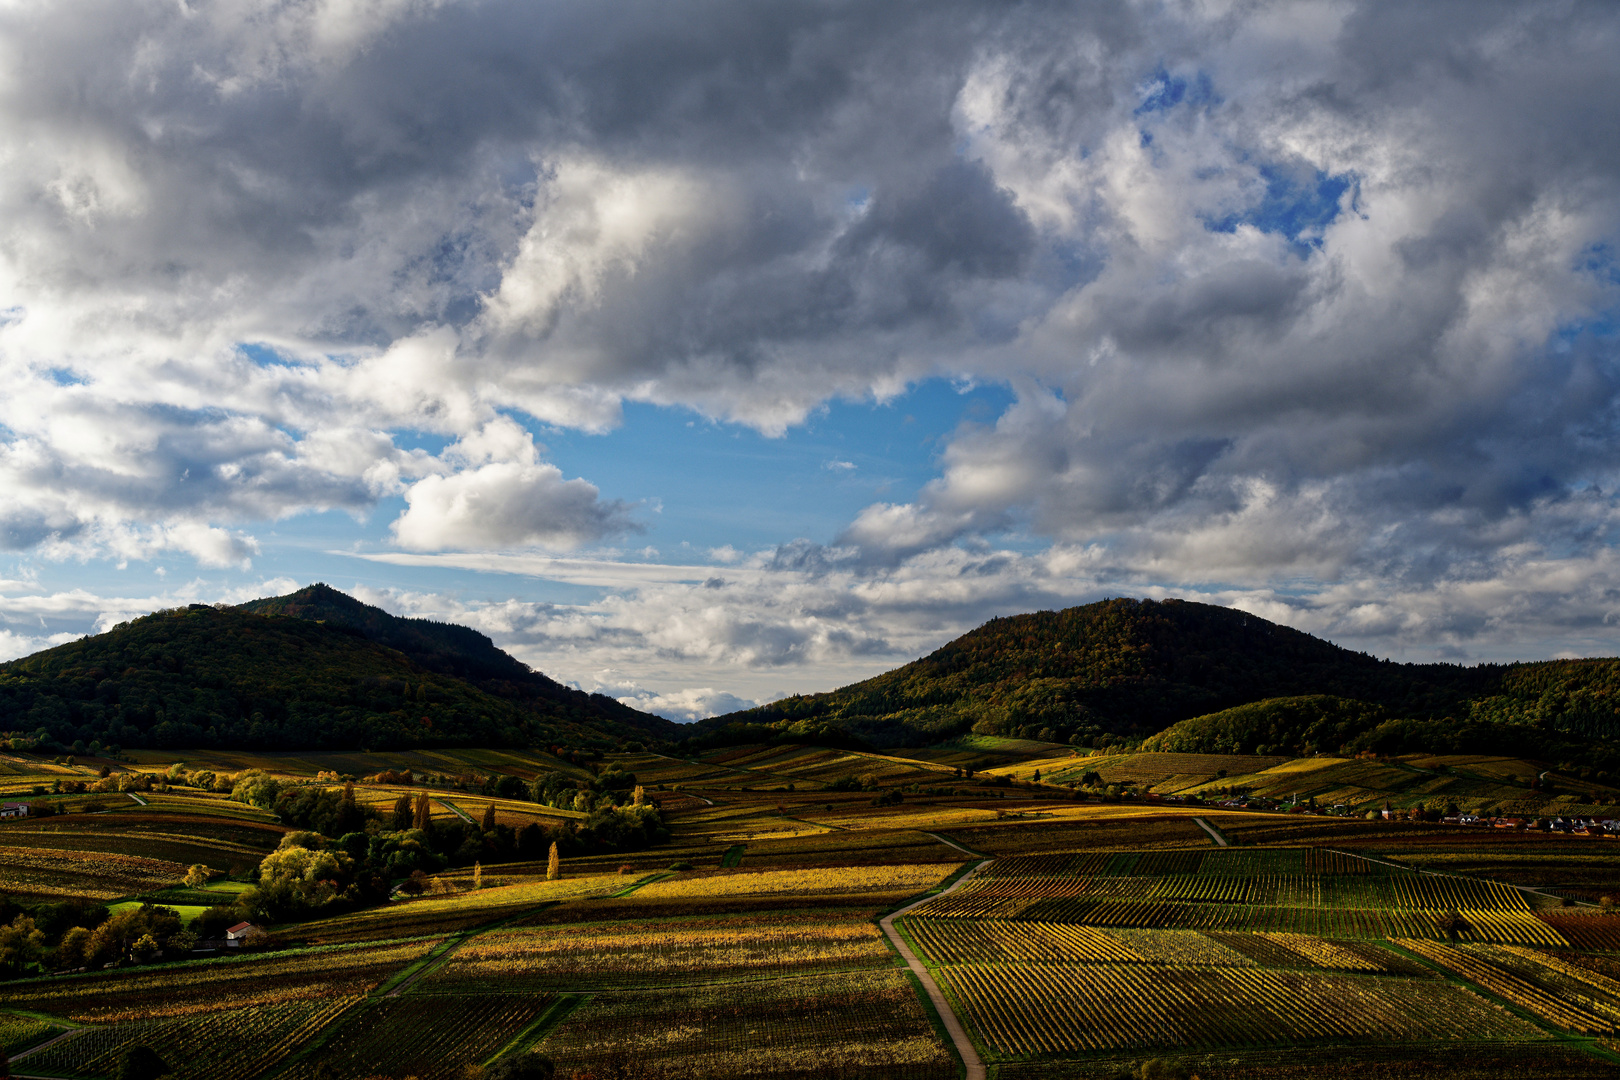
(554, 863)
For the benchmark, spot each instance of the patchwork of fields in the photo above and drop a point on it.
(1078, 940)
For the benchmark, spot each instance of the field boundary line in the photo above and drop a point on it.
(1531, 889)
(544, 1024)
(1214, 833)
(733, 856)
(454, 809)
(648, 880)
(952, 843)
(435, 957)
(972, 1063)
(1587, 1043)
(52, 1041)
(138, 800)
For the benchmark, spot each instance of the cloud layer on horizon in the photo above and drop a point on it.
(1307, 306)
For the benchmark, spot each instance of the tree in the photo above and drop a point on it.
(424, 813)
(478, 875)
(638, 797)
(141, 1063)
(20, 944)
(489, 817)
(402, 813)
(198, 876)
(554, 863)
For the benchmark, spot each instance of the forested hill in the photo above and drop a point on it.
(457, 651)
(1134, 667)
(203, 676)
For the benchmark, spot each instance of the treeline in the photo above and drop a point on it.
(1320, 723)
(204, 677)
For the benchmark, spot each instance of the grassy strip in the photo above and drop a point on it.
(454, 809)
(439, 955)
(648, 880)
(411, 970)
(322, 1037)
(542, 1027)
(733, 855)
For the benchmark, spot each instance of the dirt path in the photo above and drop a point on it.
(1220, 840)
(953, 1025)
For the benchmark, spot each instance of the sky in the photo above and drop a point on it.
(706, 352)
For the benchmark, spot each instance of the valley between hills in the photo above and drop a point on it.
(303, 838)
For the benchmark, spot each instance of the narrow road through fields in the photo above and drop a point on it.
(953, 1025)
(1213, 835)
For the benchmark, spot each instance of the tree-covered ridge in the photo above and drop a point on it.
(457, 651)
(1133, 667)
(202, 676)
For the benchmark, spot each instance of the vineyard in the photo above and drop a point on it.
(855, 1024)
(231, 1042)
(1290, 891)
(1059, 1008)
(1109, 951)
(212, 985)
(428, 1038)
(749, 946)
(616, 954)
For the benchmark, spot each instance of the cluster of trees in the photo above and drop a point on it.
(346, 855)
(71, 935)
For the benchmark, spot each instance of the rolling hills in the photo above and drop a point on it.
(313, 670)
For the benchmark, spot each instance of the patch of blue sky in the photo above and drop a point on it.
(62, 376)
(700, 485)
(1162, 91)
(1298, 203)
(261, 354)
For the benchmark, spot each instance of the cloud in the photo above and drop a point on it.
(505, 505)
(1321, 295)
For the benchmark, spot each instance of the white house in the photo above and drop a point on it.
(13, 809)
(238, 933)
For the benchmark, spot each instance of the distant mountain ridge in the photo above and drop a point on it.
(313, 670)
(1128, 667)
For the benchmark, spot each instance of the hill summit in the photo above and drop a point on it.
(1127, 668)
(313, 670)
